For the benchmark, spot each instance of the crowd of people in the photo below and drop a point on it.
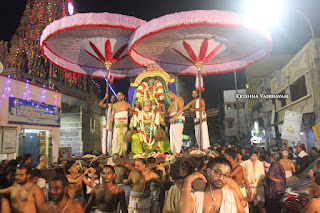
(220, 178)
(225, 179)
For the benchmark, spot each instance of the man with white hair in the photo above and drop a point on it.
(43, 160)
(287, 164)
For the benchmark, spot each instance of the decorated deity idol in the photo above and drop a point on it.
(147, 119)
(149, 101)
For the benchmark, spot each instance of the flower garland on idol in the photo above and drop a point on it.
(144, 117)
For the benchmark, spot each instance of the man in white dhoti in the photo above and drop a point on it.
(215, 197)
(194, 106)
(255, 174)
(119, 115)
(176, 121)
(106, 143)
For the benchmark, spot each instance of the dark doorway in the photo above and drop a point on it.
(32, 146)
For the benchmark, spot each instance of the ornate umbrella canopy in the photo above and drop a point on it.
(208, 40)
(88, 43)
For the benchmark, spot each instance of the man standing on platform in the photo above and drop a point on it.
(194, 106)
(176, 121)
(106, 143)
(119, 115)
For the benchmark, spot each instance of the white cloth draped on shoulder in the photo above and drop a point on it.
(228, 202)
(255, 177)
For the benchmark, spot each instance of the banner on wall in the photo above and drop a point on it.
(33, 113)
(316, 130)
(8, 136)
(291, 126)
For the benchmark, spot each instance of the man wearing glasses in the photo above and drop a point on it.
(215, 198)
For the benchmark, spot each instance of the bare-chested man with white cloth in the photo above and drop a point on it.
(25, 196)
(194, 106)
(287, 164)
(119, 115)
(176, 121)
(215, 198)
(107, 142)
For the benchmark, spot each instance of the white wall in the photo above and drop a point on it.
(17, 88)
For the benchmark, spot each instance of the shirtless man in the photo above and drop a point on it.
(107, 196)
(194, 106)
(24, 196)
(119, 115)
(239, 157)
(314, 203)
(75, 181)
(4, 205)
(155, 186)
(107, 142)
(140, 192)
(314, 191)
(313, 206)
(287, 164)
(121, 173)
(215, 198)
(239, 175)
(176, 121)
(27, 159)
(60, 203)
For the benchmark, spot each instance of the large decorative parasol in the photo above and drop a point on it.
(200, 42)
(91, 43)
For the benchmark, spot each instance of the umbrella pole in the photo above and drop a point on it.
(199, 65)
(108, 65)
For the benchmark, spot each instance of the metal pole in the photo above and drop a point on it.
(288, 77)
(313, 39)
(316, 80)
(237, 104)
(200, 112)
(107, 101)
(220, 117)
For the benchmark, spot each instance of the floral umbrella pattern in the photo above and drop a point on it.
(108, 53)
(201, 59)
(222, 41)
(173, 40)
(90, 43)
(202, 56)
